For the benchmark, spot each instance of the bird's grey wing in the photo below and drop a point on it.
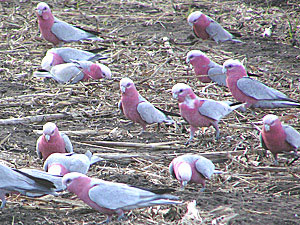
(114, 195)
(217, 32)
(292, 136)
(262, 142)
(68, 54)
(214, 109)
(258, 90)
(68, 72)
(205, 167)
(216, 74)
(69, 146)
(69, 33)
(149, 113)
(37, 147)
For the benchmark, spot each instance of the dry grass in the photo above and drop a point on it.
(147, 41)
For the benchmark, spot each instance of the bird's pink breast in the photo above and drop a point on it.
(45, 26)
(201, 68)
(275, 140)
(55, 144)
(129, 104)
(193, 116)
(200, 27)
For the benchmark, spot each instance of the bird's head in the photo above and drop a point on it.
(43, 9)
(193, 17)
(184, 173)
(99, 71)
(126, 84)
(49, 129)
(71, 178)
(233, 66)
(181, 91)
(270, 121)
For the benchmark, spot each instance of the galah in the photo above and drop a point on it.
(63, 163)
(52, 141)
(200, 112)
(205, 69)
(192, 169)
(76, 71)
(205, 27)
(137, 108)
(57, 31)
(277, 137)
(27, 183)
(113, 198)
(252, 92)
(56, 56)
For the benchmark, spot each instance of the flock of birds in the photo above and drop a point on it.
(64, 169)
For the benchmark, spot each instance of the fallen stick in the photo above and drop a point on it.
(33, 119)
(117, 156)
(76, 132)
(161, 145)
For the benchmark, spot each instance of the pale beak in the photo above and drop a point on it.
(187, 60)
(267, 127)
(224, 70)
(39, 12)
(183, 184)
(123, 89)
(191, 24)
(47, 137)
(175, 95)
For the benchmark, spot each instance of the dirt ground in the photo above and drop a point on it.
(148, 41)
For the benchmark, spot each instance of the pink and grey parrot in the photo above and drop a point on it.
(278, 138)
(56, 56)
(205, 27)
(208, 70)
(52, 141)
(200, 112)
(57, 31)
(137, 108)
(252, 92)
(63, 163)
(76, 71)
(29, 182)
(192, 169)
(113, 198)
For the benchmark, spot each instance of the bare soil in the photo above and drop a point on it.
(148, 41)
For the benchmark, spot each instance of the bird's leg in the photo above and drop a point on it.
(192, 134)
(275, 160)
(158, 127)
(296, 157)
(216, 126)
(121, 215)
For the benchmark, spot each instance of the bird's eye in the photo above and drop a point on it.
(195, 20)
(68, 181)
(180, 91)
(45, 8)
(52, 132)
(127, 85)
(229, 66)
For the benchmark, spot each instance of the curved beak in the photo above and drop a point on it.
(224, 70)
(183, 184)
(267, 127)
(47, 137)
(39, 12)
(123, 89)
(175, 95)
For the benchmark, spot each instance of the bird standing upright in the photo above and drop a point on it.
(57, 31)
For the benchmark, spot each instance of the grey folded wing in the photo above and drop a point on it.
(69, 54)
(217, 32)
(69, 33)
(150, 114)
(205, 167)
(121, 196)
(258, 90)
(67, 73)
(69, 146)
(292, 136)
(216, 74)
(214, 109)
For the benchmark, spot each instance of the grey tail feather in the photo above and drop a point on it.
(219, 172)
(97, 57)
(236, 40)
(95, 159)
(40, 181)
(42, 74)
(236, 106)
(171, 197)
